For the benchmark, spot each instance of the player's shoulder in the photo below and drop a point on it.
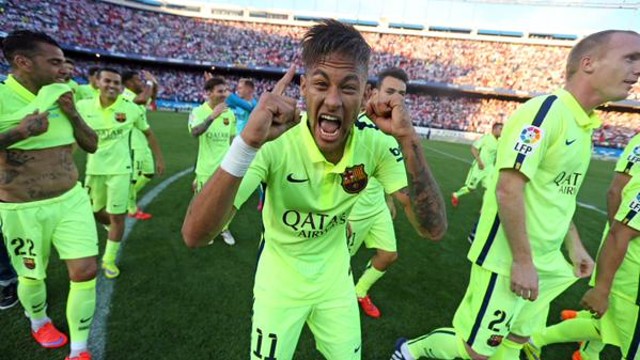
(364, 124)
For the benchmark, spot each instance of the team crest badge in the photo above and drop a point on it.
(495, 340)
(121, 117)
(29, 263)
(354, 179)
(225, 121)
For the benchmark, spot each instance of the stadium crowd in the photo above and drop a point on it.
(98, 25)
(95, 24)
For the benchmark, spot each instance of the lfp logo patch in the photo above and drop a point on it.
(636, 151)
(530, 137)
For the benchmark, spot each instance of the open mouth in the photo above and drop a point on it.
(329, 127)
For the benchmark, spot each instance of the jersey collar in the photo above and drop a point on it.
(110, 107)
(582, 118)
(316, 156)
(22, 91)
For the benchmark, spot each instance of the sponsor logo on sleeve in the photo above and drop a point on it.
(529, 139)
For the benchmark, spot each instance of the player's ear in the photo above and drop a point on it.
(303, 83)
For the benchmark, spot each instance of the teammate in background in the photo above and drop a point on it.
(543, 156)
(41, 203)
(315, 166)
(371, 217)
(109, 170)
(90, 90)
(8, 280)
(242, 102)
(214, 124)
(581, 327)
(484, 157)
(69, 69)
(143, 166)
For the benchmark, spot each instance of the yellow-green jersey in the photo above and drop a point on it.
(73, 85)
(86, 91)
(627, 279)
(487, 145)
(548, 140)
(214, 142)
(630, 158)
(16, 102)
(113, 125)
(372, 201)
(138, 140)
(304, 255)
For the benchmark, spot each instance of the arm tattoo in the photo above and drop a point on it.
(85, 136)
(201, 128)
(424, 192)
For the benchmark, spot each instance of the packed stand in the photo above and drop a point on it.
(98, 25)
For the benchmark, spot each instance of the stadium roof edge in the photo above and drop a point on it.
(305, 19)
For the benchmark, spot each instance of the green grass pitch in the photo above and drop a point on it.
(171, 302)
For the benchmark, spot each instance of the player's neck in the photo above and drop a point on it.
(27, 83)
(584, 94)
(212, 104)
(105, 102)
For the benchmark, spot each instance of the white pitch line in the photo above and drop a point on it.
(104, 288)
(581, 204)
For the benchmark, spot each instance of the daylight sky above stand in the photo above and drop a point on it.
(565, 17)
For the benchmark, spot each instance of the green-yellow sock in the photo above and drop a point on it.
(33, 297)
(572, 330)
(141, 181)
(463, 191)
(441, 343)
(367, 279)
(508, 350)
(110, 252)
(81, 305)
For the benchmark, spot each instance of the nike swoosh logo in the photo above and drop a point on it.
(569, 142)
(82, 321)
(290, 178)
(357, 349)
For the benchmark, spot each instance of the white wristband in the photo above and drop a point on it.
(237, 160)
(149, 83)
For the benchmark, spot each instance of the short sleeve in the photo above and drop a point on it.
(391, 171)
(257, 173)
(527, 136)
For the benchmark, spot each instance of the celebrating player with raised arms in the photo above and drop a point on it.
(314, 167)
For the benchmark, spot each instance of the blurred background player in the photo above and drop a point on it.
(70, 69)
(90, 90)
(42, 204)
(518, 267)
(580, 326)
(214, 124)
(371, 217)
(109, 169)
(141, 94)
(484, 157)
(8, 280)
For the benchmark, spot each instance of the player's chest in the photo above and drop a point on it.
(567, 160)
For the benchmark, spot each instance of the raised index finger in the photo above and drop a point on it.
(282, 84)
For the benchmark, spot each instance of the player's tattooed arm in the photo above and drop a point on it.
(86, 138)
(201, 128)
(422, 199)
(31, 125)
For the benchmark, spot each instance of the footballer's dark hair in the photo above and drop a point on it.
(128, 75)
(25, 43)
(393, 72)
(107, 69)
(496, 124)
(590, 45)
(248, 82)
(213, 82)
(333, 37)
(93, 71)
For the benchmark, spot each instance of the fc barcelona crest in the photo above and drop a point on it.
(225, 121)
(354, 179)
(29, 263)
(121, 117)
